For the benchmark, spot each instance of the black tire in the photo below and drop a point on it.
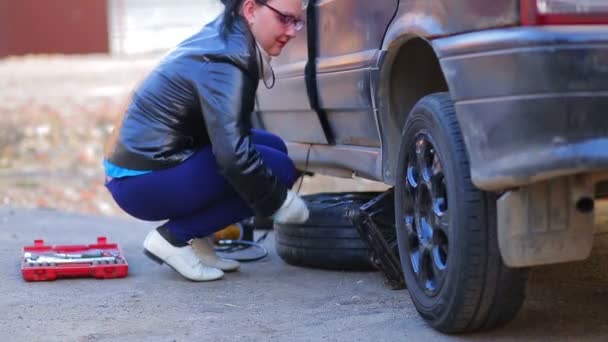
(328, 240)
(452, 267)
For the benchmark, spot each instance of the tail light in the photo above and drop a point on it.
(564, 12)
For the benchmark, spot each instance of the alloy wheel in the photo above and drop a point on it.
(426, 215)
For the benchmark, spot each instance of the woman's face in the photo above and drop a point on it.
(274, 23)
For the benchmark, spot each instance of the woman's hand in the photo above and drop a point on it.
(293, 210)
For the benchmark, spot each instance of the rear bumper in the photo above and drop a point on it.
(532, 102)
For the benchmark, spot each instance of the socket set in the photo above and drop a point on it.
(101, 260)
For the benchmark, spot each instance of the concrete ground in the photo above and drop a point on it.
(266, 301)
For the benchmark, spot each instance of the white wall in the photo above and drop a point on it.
(152, 26)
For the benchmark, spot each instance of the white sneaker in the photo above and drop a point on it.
(181, 259)
(203, 247)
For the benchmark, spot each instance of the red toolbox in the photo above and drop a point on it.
(101, 260)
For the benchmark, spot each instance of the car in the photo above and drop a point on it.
(487, 119)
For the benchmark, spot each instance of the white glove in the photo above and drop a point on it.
(293, 210)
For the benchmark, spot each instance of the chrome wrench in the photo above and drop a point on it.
(42, 261)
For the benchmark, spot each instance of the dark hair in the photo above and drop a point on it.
(232, 8)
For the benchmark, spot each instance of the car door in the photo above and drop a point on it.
(349, 37)
(286, 109)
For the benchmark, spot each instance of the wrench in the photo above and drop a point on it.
(53, 260)
(94, 254)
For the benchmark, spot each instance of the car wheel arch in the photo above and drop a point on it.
(409, 71)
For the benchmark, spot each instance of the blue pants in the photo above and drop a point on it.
(195, 199)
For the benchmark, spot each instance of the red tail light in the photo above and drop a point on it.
(564, 12)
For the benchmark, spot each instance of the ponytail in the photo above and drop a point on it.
(232, 8)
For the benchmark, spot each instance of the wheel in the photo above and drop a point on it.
(328, 239)
(446, 228)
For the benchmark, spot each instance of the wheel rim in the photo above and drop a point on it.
(426, 215)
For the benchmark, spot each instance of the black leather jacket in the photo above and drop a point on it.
(202, 93)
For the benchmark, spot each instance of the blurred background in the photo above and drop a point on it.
(66, 69)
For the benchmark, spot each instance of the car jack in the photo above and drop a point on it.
(375, 222)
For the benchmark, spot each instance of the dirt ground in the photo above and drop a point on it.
(57, 112)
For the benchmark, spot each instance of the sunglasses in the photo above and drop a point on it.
(285, 19)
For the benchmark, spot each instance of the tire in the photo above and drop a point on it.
(328, 240)
(452, 266)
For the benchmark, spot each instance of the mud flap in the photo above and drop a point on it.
(375, 222)
(547, 222)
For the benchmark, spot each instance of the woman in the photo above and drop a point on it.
(185, 151)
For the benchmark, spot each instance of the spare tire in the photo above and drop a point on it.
(328, 240)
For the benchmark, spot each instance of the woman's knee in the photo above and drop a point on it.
(281, 165)
(265, 138)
